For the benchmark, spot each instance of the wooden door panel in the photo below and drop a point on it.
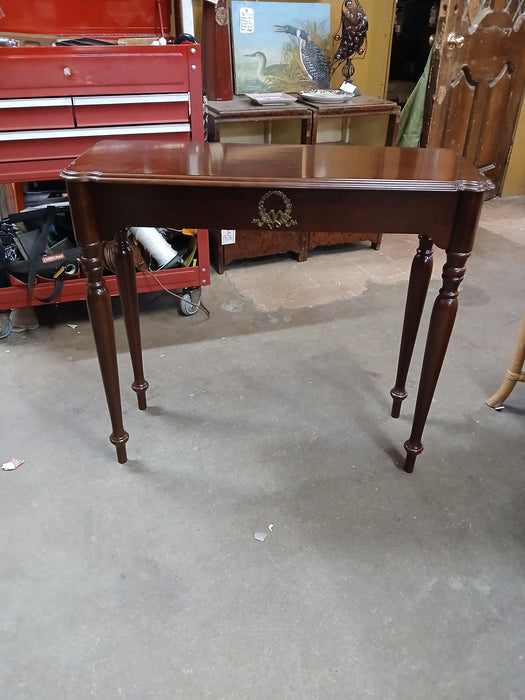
(476, 11)
(459, 109)
(486, 151)
(476, 81)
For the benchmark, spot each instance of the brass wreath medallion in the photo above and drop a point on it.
(275, 219)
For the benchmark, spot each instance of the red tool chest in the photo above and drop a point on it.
(56, 101)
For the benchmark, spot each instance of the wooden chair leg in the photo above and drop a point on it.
(514, 373)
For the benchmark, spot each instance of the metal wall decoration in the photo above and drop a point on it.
(351, 36)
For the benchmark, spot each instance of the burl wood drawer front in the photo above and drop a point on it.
(64, 71)
(102, 110)
(36, 113)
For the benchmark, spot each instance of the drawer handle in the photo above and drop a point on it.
(67, 71)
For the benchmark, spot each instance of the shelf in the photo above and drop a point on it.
(18, 294)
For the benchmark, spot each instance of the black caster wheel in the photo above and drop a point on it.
(190, 301)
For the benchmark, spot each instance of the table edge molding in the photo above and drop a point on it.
(293, 184)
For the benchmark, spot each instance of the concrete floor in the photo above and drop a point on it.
(145, 580)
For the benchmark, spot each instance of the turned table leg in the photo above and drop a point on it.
(420, 274)
(100, 311)
(99, 307)
(440, 329)
(127, 284)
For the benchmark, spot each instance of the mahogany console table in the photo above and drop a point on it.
(430, 193)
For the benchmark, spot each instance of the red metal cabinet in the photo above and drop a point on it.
(56, 101)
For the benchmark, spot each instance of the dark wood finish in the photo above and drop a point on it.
(420, 274)
(216, 52)
(299, 187)
(476, 82)
(127, 284)
(241, 109)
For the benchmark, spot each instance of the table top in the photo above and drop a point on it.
(320, 166)
(353, 105)
(241, 106)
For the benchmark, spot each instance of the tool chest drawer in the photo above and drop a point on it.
(68, 70)
(102, 110)
(67, 144)
(32, 113)
(47, 112)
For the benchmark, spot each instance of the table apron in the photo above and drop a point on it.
(294, 209)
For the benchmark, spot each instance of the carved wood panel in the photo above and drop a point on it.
(476, 81)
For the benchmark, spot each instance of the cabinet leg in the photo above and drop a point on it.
(221, 265)
(377, 243)
(303, 246)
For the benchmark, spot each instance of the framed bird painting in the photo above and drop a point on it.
(280, 46)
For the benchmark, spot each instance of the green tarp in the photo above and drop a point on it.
(411, 121)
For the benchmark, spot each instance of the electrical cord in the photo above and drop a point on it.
(141, 266)
(200, 306)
